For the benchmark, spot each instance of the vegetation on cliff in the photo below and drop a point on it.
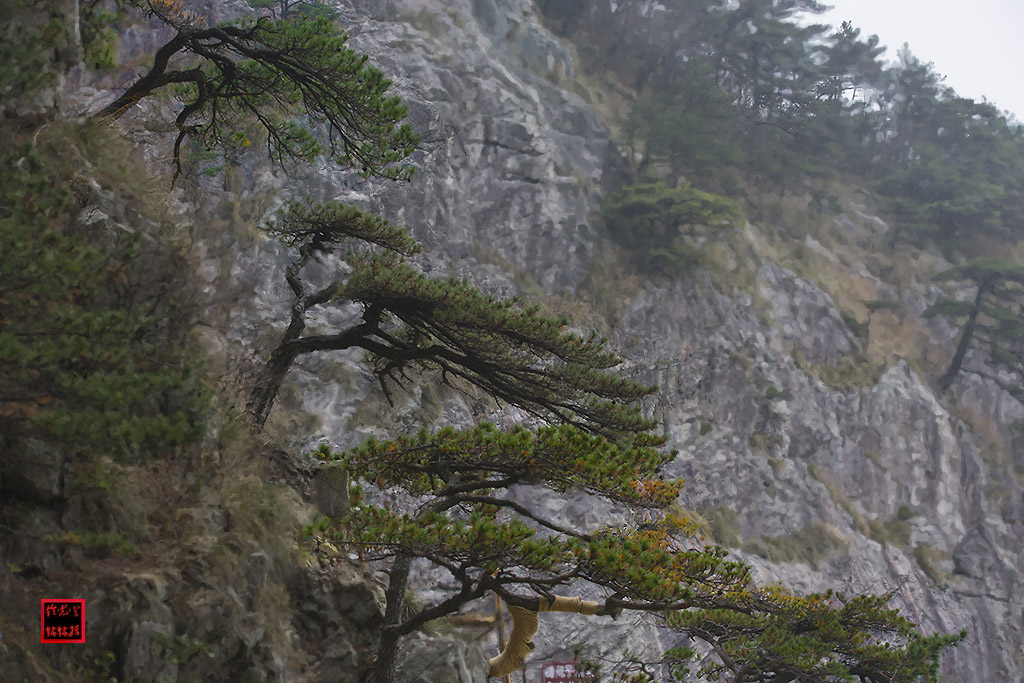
(92, 354)
(654, 222)
(993, 320)
(741, 98)
(267, 71)
(749, 89)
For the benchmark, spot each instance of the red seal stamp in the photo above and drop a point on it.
(62, 621)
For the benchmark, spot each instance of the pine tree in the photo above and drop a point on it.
(269, 71)
(652, 220)
(468, 525)
(850, 65)
(994, 320)
(411, 321)
(961, 177)
(766, 57)
(92, 354)
(686, 120)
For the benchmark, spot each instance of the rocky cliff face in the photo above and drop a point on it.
(824, 456)
(828, 460)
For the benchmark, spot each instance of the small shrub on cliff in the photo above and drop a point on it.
(652, 219)
(992, 321)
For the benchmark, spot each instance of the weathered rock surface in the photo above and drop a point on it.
(425, 659)
(805, 316)
(516, 172)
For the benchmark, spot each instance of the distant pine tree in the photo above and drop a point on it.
(993, 321)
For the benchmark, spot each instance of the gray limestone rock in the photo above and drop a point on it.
(31, 470)
(431, 659)
(806, 316)
(330, 490)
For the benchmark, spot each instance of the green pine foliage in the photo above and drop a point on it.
(514, 353)
(653, 219)
(932, 199)
(411, 321)
(562, 457)
(488, 542)
(466, 469)
(993, 321)
(270, 71)
(949, 308)
(690, 124)
(770, 634)
(984, 269)
(881, 305)
(90, 358)
(333, 223)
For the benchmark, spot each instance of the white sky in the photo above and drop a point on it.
(978, 45)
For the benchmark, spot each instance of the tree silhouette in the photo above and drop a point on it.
(994, 319)
(270, 71)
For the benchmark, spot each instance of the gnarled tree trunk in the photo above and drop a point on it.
(965, 337)
(387, 650)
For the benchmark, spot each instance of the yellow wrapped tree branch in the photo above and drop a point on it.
(524, 628)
